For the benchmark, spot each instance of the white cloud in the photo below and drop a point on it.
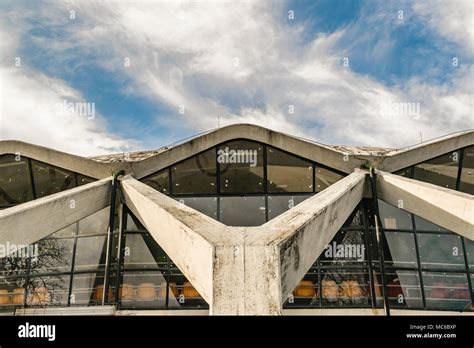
(245, 62)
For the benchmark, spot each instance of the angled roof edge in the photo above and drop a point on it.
(342, 158)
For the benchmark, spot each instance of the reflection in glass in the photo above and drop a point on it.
(144, 290)
(393, 217)
(399, 249)
(344, 287)
(195, 175)
(205, 205)
(12, 291)
(82, 179)
(54, 255)
(279, 204)
(142, 251)
(48, 291)
(50, 179)
(15, 262)
(441, 171)
(403, 289)
(242, 211)
(15, 183)
(325, 178)
(88, 289)
(187, 295)
(160, 181)
(97, 223)
(90, 253)
(446, 291)
(440, 251)
(347, 247)
(469, 244)
(425, 225)
(287, 173)
(306, 293)
(467, 174)
(241, 167)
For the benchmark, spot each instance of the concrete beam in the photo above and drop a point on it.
(186, 235)
(29, 222)
(447, 208)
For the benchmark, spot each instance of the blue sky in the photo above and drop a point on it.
(246, 62)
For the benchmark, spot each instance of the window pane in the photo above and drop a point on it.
(242, 211)
(54, 255)
(142, 251)
(279, 204)
(15, 183)
(97, 223)
(88, 289)
(68, 231)
(306, 294)
(82, 179)
(159, 181)
(196, 174)
(15, 261)
(467, 174)
(347, 247)
(345, 287)
(241, 167)
(440, 251)
(205, 205)
(185, 296)
(469, 252)
(325, 178)
(403, 289)
(287, 173)
(407, 172)
(446, 291)
(12, 292)
(399, 249)
(50, 179)
(144, 290)
(441, 171)
(133, 224)
(48, 291)
(90, 253)
(394, 218)
(425, 225)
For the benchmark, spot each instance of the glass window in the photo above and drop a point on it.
(325, 178)
(469, 252)
(403, 289)
(15, 262)
(242, 211)
(160, 181)
(68, 231)
(446, 291)
(440, 251)
(133, 224)
(48, 291)
(343, 287)
(82, 179)
(12, 292)
(279, 204)
(97, 223)
(347, 247)
(241, 167)
(205, 205)
(306, 293)
(144, 290)
(187, 295)
(467, 174)
(88, 289)
(15, 183)
(394, 218)
(54, 255)
(142, 251)
(195, 175)
(49, 179)
(425, 225)
(441, 171)
(399, 249)
(90, 253)
(287, 173)
(407, 172)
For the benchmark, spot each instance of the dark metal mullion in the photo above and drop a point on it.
(314, 177)
(420, 274)
(110, 237)
(265, 179)
(369, 255)
(466, 262)
(320, 284)
(460, 163)
(218, 186)
(121, 244)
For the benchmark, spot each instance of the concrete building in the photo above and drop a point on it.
(240, 220)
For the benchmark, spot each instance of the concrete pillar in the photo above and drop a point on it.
(447, 208)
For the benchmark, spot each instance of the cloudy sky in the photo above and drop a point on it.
(381, 73)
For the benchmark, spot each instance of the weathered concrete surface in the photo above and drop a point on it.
(447, 208)
(302, 233)
(29, 222)
(60, 159)
(185, 234)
